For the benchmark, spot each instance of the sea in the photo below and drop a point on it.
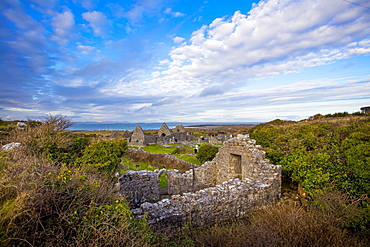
(145, 126)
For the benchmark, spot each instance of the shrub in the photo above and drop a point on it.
(206, 153)
(46, 140)
(321, 155)
(324, 155)
(105, 156)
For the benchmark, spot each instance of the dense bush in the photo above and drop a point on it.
(206, 153)
(47, 205)
(105, 156)
(323, 155)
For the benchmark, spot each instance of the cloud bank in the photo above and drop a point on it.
(274, 38)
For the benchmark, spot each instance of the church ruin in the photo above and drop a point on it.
(237, 180)
(165, 135)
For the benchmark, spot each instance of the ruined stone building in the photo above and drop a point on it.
(165, 135)
(164, 131)
(237, 180)
(138, 137)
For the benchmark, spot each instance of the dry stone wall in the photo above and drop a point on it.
(229, 200)
(238, 179)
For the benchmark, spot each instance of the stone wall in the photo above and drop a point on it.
(229, 200)
(237, 179)
(139, 187)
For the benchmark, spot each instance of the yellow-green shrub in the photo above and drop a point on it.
(105, 156)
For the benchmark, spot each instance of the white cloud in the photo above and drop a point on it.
(87, 4)
(22, 20)
(156, 74)
(275, 37)
(97, 21)
(166, 61)
(63, 24)
(85, 49)
(178, 39)
(135, 14)
(173, 13)
(301, 99)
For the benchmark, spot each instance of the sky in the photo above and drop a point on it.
(183, 60)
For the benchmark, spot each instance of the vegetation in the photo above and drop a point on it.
(105, 156)
(338, 115)
(182, 152)
(52, 194)
(287, 225)
(206, 153)
(57, 189)
(323, 155)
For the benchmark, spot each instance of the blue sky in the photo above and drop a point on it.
(185, 61)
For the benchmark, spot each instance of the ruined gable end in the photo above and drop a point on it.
(115, 135)
(126, 134)
(164, 130)
(179, 128)
(138, 137)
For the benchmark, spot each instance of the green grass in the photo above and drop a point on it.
(163, 180)
(159, 149)
(105, 133)
(188, 158)
(129, 165)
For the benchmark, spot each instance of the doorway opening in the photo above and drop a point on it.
(236, 163)
(163, 186)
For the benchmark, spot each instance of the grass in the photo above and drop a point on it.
(180, 151)
(133, 166)
(160, 149)
(104, 133)
(187, 158)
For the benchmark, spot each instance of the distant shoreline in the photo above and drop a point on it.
(154, 126)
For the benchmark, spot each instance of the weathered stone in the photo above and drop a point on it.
(238, 179)
(179, 128)
(11, 145)
(164, 130)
